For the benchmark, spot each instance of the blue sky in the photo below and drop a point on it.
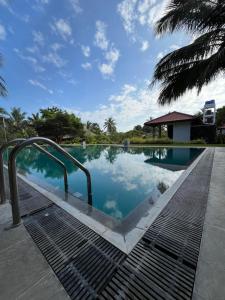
(93, 57)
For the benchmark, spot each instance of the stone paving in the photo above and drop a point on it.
(210, 275)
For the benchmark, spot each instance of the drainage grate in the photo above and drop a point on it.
(161, 266)
(31, 200)
(83, 261)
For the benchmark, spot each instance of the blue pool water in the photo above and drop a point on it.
(121, 179)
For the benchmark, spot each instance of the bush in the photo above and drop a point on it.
(198, 141)
(220, 139)
(150, 141)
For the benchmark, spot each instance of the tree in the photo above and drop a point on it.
(220, 116)
(56, 123)
(194, 65)
(95, 128)
(17, 120)
(3, 91)
(138, 128)
(110, 125)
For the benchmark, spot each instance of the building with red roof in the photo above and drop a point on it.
(178, 125)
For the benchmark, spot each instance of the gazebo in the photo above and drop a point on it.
(178, 125)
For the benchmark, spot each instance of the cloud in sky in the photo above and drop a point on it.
(55, 59)
(100, 39)
(107, 68)
(86, 66)
(136, 13)
(111, 53)
(76, 6)
(38, 38)
(40, 85)
(63, 28)
(86, 50)
(134, 105)
(2, 32)
(144, 46)
(37, 67)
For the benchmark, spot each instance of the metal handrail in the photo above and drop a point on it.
(17, 141)
(13, 178)
(2, 179)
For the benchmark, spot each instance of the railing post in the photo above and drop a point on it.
(2, 178)
(14, 195)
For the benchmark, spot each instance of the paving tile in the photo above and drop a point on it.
(213, 244)
(48, 288)
(210, 279)
(20, 267)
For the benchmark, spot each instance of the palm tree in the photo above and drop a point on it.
(110, 125)
(3, 91)
(16, 119)
(194, 65)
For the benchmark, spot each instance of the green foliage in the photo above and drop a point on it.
(110, 125)
(196, 64)
(220, 116)
(56, 124)
(220, 139)
(148, 141)
(198, 142)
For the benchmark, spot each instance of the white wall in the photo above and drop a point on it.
(182, 131)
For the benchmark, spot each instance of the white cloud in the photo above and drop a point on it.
(33, 49)
(40, 85)
(86, 66)
(110, 52)
(134, 105)
(111, 56)
(136, 13)
(2, 32)
(100, 36)
(106, 70)
(73, 81)
(86, 50)
(5, 3)
(76, 6)
(40, 4)
(63, 28)
(55, 59)
(38, 37)
(144, 46)
(56, 46)
(32, 60)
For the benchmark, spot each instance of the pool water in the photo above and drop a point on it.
(121, 178)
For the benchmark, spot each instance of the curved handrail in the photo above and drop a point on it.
(2, 179)
(13, 178)
(20, 140)
(57, 161)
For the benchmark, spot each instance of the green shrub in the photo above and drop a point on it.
(220, 139)
(198, 141)
(150, 141)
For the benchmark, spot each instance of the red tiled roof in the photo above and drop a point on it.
(170, 117)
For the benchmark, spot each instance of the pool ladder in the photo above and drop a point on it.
(19, 144)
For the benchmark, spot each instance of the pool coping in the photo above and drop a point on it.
(124, 242)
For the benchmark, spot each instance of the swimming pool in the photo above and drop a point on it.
(121, 178)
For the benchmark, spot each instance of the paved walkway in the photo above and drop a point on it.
(24, 273)
(210, 276)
